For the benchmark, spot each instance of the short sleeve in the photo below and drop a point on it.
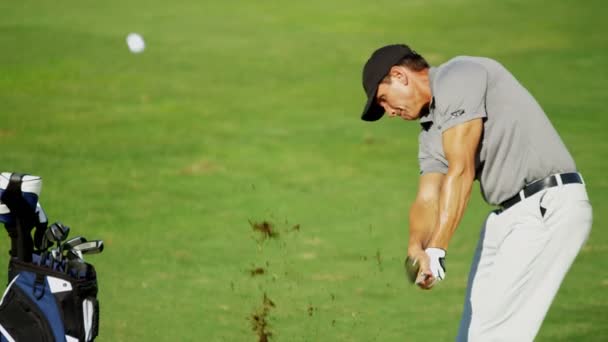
(429, 162)
(431, 165)
(461, 94)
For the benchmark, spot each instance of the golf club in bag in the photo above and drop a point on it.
(52, 292)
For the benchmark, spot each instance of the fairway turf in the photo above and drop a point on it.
(245, 114)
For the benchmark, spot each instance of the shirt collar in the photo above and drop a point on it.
(429, 117)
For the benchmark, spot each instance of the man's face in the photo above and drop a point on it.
(399, 98)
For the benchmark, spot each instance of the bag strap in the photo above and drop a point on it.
(21, 240)
(38, 288)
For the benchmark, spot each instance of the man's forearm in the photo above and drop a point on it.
(453, 199)
(423, 220)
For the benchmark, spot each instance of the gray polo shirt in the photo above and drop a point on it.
(519, 145)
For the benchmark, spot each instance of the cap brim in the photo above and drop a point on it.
(372, 110)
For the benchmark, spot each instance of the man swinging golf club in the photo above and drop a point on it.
(479, 123)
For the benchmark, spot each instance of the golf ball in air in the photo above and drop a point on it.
(136, 43)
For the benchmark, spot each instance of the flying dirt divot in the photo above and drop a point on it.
(265, 228)
(379, 260)
(259, 320)
(257, 271)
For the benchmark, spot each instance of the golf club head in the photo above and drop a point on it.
(72, 254)
(63, 229)
(55, 233)
(90, 247)
(68, 253)
(51, 236)
(75, 241)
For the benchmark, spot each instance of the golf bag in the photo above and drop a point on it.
(50, 296)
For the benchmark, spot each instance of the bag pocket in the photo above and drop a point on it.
(90, 314)
(21, 319)
(80, 310)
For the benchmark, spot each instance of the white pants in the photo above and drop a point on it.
(521, 259)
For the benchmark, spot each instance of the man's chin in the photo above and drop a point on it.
(409, 117)
(415, 116)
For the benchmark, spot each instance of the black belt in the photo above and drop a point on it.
(545, 183)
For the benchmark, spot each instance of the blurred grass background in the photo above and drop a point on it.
(243, 112)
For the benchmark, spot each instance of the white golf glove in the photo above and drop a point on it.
(437, 262)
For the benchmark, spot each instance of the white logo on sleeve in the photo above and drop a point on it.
(457, 113)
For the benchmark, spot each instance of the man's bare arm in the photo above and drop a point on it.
(460, 145)
(424, 212)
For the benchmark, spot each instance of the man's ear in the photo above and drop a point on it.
(399, 73)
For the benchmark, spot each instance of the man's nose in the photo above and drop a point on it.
(388, 110)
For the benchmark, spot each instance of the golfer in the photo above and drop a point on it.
(479, 123)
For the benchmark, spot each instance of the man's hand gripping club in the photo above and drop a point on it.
(426, 267)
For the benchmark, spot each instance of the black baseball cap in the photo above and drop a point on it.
(376, 68)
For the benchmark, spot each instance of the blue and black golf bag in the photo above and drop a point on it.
(52, 292)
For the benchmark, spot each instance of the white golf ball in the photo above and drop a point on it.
(135, 42)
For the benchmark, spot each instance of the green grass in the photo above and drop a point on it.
(249, 111)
